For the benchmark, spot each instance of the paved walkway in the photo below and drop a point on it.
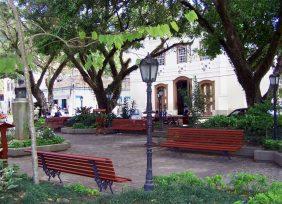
(129, 156)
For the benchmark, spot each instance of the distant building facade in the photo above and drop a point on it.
(177, 69)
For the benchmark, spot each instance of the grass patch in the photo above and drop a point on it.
(45, 192)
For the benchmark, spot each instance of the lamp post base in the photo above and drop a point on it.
(149, 186)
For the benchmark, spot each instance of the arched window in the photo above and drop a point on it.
(208, 91)
(163, 101)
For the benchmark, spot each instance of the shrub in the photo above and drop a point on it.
(86, 119)
(79, 126)
(256, 123)
(45, 136)
(273, 195)
(79, 188)
(46, 133)
(83, 110)
(40, 123)
(248, 184)
(280, 120)
(273, 145)
(8, 179)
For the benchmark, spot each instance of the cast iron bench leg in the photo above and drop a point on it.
(226, 153)
(50, 172)
(101, 183)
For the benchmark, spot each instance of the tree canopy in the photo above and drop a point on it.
(248, 32)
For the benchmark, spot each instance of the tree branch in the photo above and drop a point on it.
(271, 52)
(44, 70)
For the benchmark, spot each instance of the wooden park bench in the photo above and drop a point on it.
(56, 122)
(100, 169)
(205, 139)
(129, 125)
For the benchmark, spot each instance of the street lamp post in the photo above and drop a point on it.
(160, 95)
(274, 82)
(149, 68)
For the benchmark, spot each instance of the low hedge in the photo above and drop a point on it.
(188, 188)
(273, 145)
(45, 136)
(257, 123)
(39, 142)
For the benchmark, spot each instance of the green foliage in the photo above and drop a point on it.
(273, 145)
(256, 123)
(45, 192)
(273, 195)
(191, 16)
(279, 120)
(83, 110)
(90, 120)
(248, 184)
(179, 193)
(86, 119)
(125, 109)
(8, 179)
(79, 126)
(81, 189)
(196, 102)
(198, 98)
(45, 136)
(40, 123)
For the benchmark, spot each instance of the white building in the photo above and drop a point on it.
(7, 95)
(178, 67)
(71, 92)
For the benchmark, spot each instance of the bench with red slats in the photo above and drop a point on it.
(128, 125)
(205, 139)
(56, 122)
(100, 169)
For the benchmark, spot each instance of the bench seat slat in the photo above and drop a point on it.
(204, 139)
(79, 165)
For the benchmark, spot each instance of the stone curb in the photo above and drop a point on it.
(268, 156)
(18, 152)
(67, 130)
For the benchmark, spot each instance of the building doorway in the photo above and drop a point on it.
(182, 93)
(163, 103)
(208, 91)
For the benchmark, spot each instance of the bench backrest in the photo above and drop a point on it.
(197, 135)
(128, 123)
(76, 164)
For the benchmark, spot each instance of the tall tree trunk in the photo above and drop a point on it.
(41, 100)
(29, 93)
(51, 83)
(108, 103)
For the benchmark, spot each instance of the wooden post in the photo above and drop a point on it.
(4, 142)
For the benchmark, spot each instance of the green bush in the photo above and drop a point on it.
(171, 194)
(280, 120)
(45, 136)
(40, 123)
(79, 188)
(248, 184)
(273, 145)
(79, 126)
(8, 179)
(272, 195)
(90, 120)
(45, 192)
(256, 123)
(85, 119)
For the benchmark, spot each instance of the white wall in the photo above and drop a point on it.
(229, 94)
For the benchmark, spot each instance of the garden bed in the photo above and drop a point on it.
(70, 130)
(17, 152)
